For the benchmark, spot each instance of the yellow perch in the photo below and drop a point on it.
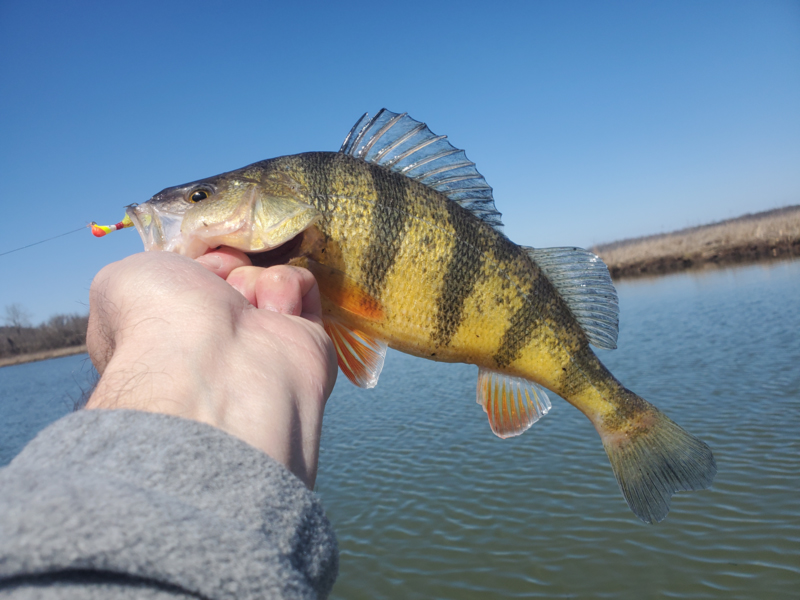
(402, 234)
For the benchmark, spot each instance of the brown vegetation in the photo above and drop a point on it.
(751, 238)
(21, 343)
(43, 355)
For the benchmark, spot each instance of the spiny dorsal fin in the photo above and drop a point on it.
(512, 404)
(408, 147)
(583, 281)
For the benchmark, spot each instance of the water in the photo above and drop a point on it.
(427, 503)
(35, 394)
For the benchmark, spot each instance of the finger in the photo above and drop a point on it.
(224, 260)
(283, 289)
(243, 280)
(290, 291)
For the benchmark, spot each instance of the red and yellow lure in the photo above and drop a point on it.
(101, 230)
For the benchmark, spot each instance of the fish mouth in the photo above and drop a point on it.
(160, 229)
(281, 255)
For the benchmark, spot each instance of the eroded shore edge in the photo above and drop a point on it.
(43, 355)
(730, 257)
(748, 239)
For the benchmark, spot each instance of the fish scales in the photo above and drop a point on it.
(401, 233)
(463, 272)
(510, 319)
(401, 216)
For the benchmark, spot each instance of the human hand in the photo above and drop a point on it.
(219, 341)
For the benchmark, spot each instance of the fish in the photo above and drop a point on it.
(402, 234)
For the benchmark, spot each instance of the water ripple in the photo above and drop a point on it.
(427, 503)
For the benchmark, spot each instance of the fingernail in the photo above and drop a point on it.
(211, 261)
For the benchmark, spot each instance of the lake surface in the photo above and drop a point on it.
(428, 503)
(35, 394)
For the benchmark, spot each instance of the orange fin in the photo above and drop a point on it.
(342, 290)
(360, 356)
(513, 404)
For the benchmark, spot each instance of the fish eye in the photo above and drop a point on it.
(198, 195)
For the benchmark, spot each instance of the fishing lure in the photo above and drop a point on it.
(101, 230)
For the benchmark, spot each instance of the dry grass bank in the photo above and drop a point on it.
(43, 355)
(60, 335)
(60, 331)
(750, 238)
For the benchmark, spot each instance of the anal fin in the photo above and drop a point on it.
(512, 404)
(360, 356)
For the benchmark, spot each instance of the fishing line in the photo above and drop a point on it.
(43, 241)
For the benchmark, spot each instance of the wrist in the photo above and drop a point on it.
(255, 403)
(159, 379)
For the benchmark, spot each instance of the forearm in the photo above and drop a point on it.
(168, 505)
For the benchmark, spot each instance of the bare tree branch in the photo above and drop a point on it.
(16, 316)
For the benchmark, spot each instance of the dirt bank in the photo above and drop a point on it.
(43, 355)
(752, 238)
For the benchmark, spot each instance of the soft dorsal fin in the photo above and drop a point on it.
(583, 281)
(408, 147)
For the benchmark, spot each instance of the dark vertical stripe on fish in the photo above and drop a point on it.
(517, 336)
(526, 318)
(319, 167)
(387, 228)
(463, 270)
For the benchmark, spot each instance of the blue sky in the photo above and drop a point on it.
(593, 121)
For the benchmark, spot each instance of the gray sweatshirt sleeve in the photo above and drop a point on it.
(127, 504)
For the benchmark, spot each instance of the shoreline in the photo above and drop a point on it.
(750, 239)
(20, 359)
(734, 256)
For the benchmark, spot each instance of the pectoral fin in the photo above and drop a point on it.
(513, 404)
(360, 356)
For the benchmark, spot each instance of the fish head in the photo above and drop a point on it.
(252, 210)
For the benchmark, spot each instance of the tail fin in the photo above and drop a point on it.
(654, 459)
